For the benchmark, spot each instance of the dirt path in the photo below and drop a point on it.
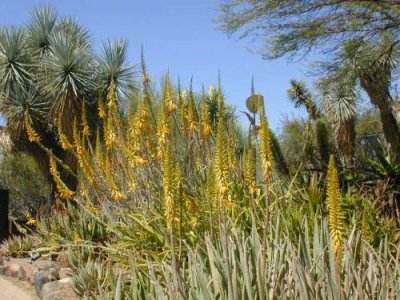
(11, 290)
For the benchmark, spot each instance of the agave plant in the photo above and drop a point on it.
(255, 266)
(18, 246)
(89, 278)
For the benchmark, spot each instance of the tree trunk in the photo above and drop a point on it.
(376, 84)
(322, 142)
(346, 137)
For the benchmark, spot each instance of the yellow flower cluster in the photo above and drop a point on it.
(250, 175)
(169, 98)
(190, 144)
(265, 148)
(205, 122)
(167, 106)
(138, 130)
(169, 185)
(30, 219)
(65, 143)
(221, 161)
(63, 191)
(33, 136)
(334, 203)
(101, 108)
(113, 122)
(85, 124)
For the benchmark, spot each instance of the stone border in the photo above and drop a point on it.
(50, 280)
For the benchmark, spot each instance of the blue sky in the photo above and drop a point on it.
(179, 36)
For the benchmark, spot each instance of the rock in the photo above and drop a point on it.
(3, 250)
(1, 265)
(44, 265)
(65, 272)
(58, 290)
(43, 277)
(15, 270)
(62, 260)
(30, 271)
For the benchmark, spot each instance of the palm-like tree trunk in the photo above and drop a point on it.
(346, 137)
(376, 84)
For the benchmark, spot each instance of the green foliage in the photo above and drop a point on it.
(28, 188)
(252, 265)
(301, 96)
(279, 161)
(267, 252)
(74, 226)
(302, 145)
(18, 246)
(167, 202)
(293, 27)
(358, 39)
(368, 122)
(89, 277)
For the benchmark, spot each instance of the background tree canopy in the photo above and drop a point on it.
(297, 27)
(359, 40)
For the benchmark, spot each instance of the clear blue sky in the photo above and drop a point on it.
(179, 36)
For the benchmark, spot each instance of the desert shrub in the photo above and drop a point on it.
(174, 201)
(29, 189)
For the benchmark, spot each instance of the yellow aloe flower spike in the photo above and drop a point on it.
(184, 116)
(191, 115)
(249, 169)
(265, 148)
(99, 155)
(116, 193)
(101, 108)
(30, 219)
(63, 191)
(65, 144)
(232, 140)
(205, 122)
(169, 187)
(33, 136)
(169, 98)
(221, 161)
(145, 81)
(163, 130)
(334, 203)
(138, 129)
(85, 124)
(211, 188)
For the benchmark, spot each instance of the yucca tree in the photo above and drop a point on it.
(340, 103)
(18, 94)
(66, 76)
(112, 65)
(301, 97)
(373, 66)
(48, 69)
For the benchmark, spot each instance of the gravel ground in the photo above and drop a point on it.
(15, 290)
